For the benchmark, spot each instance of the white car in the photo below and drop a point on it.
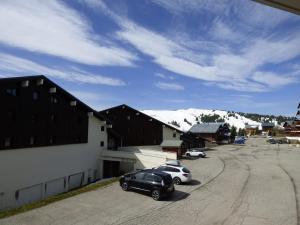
(195, 152)
(179, 174)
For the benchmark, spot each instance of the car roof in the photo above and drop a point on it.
(154, 171)
(181, 166)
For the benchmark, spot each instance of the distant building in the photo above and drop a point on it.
(213, 132)
(292, 128)
(251, 129)
(50, 141)
(267, 127)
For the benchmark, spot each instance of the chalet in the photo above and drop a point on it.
(50, 141)
(292, 128)
(267, 127)
(213, 132)
(251, 129)
(137, 140)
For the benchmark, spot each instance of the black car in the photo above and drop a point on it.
(157, 183)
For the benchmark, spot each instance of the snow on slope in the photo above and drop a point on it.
(191, 115)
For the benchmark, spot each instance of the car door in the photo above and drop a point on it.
(148, 181)
(193, 153)
(170, 171)
(137, 180)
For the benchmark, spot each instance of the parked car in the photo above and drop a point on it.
(272, 141)
(179, 174)
(195, 152)
(240, 140)
(158, 183)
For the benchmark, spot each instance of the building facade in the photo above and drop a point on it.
(213, 132)
(292, 128)
(50, 141)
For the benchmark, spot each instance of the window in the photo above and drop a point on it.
(53, 100)
(157, 178)
(34, 117)
(174, 135)
(102, 128)
(52, 140)
(31, 140)
(139, 176)
(149, 177)
(11, 91)
(128, 117)
(53, 117)
(7, 142)
(185, 170)
(35, 95)
(17, 195)
(102, 143)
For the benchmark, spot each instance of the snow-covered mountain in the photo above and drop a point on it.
(186, 118)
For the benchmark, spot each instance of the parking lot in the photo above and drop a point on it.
(254, 184)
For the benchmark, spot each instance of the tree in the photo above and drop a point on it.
(232, 133)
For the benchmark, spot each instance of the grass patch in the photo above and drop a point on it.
(56, 198)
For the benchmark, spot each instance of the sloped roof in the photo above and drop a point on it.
(103, 113)
(171, 143)
(69, 96)
(247, 126)
(267, 124)
(210, 128)
(292, 6)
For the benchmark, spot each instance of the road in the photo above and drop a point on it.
(236, 185)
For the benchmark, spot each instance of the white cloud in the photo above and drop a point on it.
(231, 70)
(169, 86)
(53, 28)
(16, 66)
(161, 75)
(221, 31)
(273, 80)
(183, 6)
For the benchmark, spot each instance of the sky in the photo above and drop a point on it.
(158, 54)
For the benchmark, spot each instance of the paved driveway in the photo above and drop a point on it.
(253, 184)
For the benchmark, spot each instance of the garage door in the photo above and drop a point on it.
(55, 187)
(75, 180)
(29, 194)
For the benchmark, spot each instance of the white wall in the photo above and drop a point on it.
(168, 134)
(22, 168)
(140, 156)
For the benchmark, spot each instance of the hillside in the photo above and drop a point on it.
(184, 119)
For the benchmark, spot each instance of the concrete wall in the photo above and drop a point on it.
(22, 170)
(168, 134)
(138, 157)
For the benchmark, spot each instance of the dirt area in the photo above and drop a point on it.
(258, 183)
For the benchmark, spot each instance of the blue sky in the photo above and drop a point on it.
(158, 54)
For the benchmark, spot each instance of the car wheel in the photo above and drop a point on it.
(156, 195)
(188, 154)
(125, 186)
(177, 180)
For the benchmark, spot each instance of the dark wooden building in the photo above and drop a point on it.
(267, 127)
(37, 112)
(131, 127)
(292, 128)
(213, 132)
